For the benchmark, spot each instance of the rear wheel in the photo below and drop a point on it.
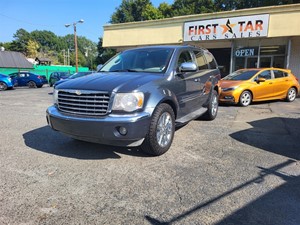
(213, 105)
(291, 95)
(31, 84)
(161, 131)
(245, 98)
(3, 86)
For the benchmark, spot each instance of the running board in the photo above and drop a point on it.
(192, 115)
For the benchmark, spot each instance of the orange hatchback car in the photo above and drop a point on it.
(247, 85)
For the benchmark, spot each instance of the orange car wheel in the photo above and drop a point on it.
(291, 94)
(245, 98)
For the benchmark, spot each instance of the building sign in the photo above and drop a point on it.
(245, 52)
(227, 28)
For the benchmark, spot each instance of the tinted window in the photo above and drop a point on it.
(265, 74)
(210, 60)
(184, 57)
(201, 62)
(278, 74)
(241, 75)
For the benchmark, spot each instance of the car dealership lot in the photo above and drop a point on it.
(242, 168)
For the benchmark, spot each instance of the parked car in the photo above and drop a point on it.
(6, 82)
(250, 85)
(57, 76)
(28, 79)
(138, 97)
(73, 76)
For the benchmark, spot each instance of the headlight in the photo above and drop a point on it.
(230, 88)
(128, 102)
(55, 96)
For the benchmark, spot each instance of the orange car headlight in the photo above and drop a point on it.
(230, 88)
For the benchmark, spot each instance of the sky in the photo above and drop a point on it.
(52, 15)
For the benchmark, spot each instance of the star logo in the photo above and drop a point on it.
(227, 27)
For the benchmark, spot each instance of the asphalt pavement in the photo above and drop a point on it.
(241, 168)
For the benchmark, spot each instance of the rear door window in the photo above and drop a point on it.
(201, 61)
(210, 60)
(278, 74)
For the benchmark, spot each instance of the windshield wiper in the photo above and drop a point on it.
(125, 70)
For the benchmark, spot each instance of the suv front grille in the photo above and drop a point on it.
(89, 103)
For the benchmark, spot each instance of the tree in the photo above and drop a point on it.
(104, 54)
(46, 39)
(166, 10)
(32, 49)
(151, 13)
(226, 5)
(20, 43)
(130, 11)
(189, 7)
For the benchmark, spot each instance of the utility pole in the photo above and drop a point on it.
(75, 41)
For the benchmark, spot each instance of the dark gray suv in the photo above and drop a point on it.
(138, 97)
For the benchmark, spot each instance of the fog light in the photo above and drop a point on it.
(122, 131)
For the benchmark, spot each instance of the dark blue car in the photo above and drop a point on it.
(28, 79)
(6, 82)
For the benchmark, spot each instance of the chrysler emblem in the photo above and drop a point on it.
(78, 92)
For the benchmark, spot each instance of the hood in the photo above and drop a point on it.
(230, 83)
(112, 81)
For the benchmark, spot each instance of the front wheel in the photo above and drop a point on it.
(291, 95)
(3, 86)
(245, 98)
(31, 84)
(161, 131)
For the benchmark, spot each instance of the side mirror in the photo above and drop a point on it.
(188, 67)
(261, 80)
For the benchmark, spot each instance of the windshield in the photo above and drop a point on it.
(241, 75)
(153, 60)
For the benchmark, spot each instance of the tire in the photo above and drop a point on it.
(31, 84)
(291, 94)
(50, 84)
(213, 105)
(3, 86)
(161, 131)
(245, 98)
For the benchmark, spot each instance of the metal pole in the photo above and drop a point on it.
(232, 57)
(288, 58)
(76, 52)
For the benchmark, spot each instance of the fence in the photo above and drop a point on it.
(44, 70)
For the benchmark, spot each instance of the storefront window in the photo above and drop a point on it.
(259, 55)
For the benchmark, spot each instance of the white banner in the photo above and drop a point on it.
(227, 28)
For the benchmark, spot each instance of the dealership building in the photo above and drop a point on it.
(248, 38)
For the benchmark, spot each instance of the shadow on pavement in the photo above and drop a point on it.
(277, 135)
(277, 207)
(46, 140)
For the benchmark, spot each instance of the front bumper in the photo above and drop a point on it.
(228, 97)
(103, 130)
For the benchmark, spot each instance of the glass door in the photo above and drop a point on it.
(265, 61)
(251, 62)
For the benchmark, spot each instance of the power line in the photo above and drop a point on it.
(27, 22)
